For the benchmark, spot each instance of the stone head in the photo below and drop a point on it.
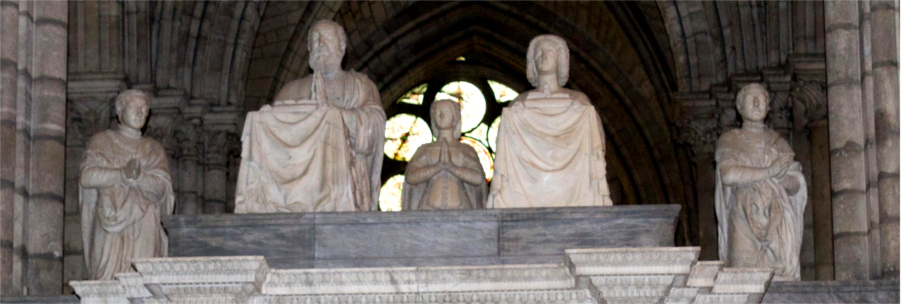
(753, 102)
(326, 42)
(547, 54)
(132, 108)
(445, 115)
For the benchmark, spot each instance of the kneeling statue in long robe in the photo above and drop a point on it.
(760, 193)
(124, 190)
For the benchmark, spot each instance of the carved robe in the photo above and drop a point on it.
(760, 223)
(444, 190)
(121, 217)
(550, 154)
(308, 158)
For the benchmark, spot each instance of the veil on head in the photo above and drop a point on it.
(455, 110)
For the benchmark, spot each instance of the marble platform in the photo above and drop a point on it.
(420, 238)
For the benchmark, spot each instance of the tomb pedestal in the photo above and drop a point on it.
(420, 238)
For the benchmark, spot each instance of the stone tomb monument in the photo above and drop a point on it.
(319, 147)
(551, 142)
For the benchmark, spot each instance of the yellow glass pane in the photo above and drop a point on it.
(390, 195)
(404, 133)
(471, 100)
(485, 156)
(480, 133)
(502, 93)
(414, 96)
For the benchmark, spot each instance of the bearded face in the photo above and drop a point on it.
(325, 50)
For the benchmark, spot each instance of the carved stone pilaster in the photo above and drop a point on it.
(161, 128)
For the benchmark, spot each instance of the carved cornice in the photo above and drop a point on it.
(703, 273)
(239, 269)
(742, 280)
(670, 260)
(562, 296)
(133, 283)
(100, 292)
(604, 275)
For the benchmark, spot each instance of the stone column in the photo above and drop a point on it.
(884, 15)
(34, 104)
(699, 129)
(189, 143)
(846, 140)
(215, 163)
(809, 106)
(10, 273)
(869, 127)
(89, 109)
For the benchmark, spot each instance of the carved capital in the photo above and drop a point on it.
(808, 100)
(87, 117)
(162, 129)
(217, 145)
(188, 138)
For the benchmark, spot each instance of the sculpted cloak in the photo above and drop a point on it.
(469, 196)
(120, 217)
(302, 157)
(760, 223)
(550, 154)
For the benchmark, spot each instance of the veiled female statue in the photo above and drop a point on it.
(124, 190)
(445, 174)
(760, 192)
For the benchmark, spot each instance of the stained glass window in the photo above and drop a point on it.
(404, 133)
(472, 102)
(492, 133)
(485, 156)
(502, 93)
(415, 96)
(480, 133)
(390, 195)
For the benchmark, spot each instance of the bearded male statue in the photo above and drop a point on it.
(551, 141)
(318, 148)
(760, 193)
(124, 190)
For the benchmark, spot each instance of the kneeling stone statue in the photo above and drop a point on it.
(760, 193)
(124, 191)
(445, 174)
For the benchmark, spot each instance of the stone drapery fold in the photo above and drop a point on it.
(550, 154)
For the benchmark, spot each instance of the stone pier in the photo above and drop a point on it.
(884, 15)
(846, 141)
(33, 126)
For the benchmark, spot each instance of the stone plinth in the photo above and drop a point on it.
(420, 238)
